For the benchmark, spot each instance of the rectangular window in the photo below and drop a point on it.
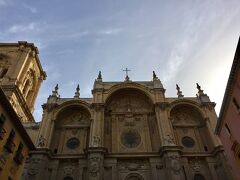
(236, 149)
(228, 129)
(2, 130)
(9, 146)
(19, 156)
(236, 104)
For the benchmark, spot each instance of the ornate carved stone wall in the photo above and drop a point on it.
(127, 131)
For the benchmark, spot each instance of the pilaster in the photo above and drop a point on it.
(95, 163)
(164, 126)
(97, 134)
(172, 158)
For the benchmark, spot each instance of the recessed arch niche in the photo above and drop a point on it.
(129, 113)
(71, 130)
(190, 128)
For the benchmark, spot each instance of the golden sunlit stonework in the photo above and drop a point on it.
(127, 130)
(21, 75)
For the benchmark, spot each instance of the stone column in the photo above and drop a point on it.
(44, 136)
(172, 158)
(97, 131)
(95, 163)
(164, 124)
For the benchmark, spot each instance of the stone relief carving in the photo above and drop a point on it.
(33, 167)
(175, 164)
(169, 140)
(129, 103)
(68, 170)
(195, 165)
(94, 166)
(184, 118)
(41, 141)
(133, 165)
(77, 118)
(96, 141)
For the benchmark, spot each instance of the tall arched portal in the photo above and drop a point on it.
(130, 123)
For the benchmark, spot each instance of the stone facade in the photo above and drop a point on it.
(127, 131)
(21, 75)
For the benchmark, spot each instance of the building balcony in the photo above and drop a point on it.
(18, 158)
(9, 146)
(2, 133)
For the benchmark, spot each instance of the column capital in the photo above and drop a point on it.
(209, 105)
(162, 105)
(98, 106)
(49, 107)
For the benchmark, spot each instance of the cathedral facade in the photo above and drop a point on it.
(127, 131)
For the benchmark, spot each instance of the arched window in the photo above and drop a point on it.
(26, 87)
(134, 176)
(199, 177)
(68, 178)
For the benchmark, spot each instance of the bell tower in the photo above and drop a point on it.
(21, 75)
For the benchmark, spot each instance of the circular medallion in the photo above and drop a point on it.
(73, 143)
(130, 138)
(188, 141)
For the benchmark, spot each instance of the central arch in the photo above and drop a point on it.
(130, 122)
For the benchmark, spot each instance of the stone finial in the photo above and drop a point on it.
(127, 78)
(200, 91)
(155, 76)
(179, 92)
(55, 92)
(77, 93)
(99, 78)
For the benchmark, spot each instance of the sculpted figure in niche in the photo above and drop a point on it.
(169, 140)
(96, 141)
(41, 141)
(94, 166)
(175, 164)
(33, 168)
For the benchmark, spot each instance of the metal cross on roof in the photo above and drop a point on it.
(126, 71)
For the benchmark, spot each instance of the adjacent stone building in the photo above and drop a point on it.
(228, 125)
(14, 142)
(21, 75)
(128, 130)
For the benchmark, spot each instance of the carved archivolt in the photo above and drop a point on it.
(186, 115)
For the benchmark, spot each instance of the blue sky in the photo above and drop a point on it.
(184, 41)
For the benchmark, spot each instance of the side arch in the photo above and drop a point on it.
(72, 103)
(71, 128)
(190, 127)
